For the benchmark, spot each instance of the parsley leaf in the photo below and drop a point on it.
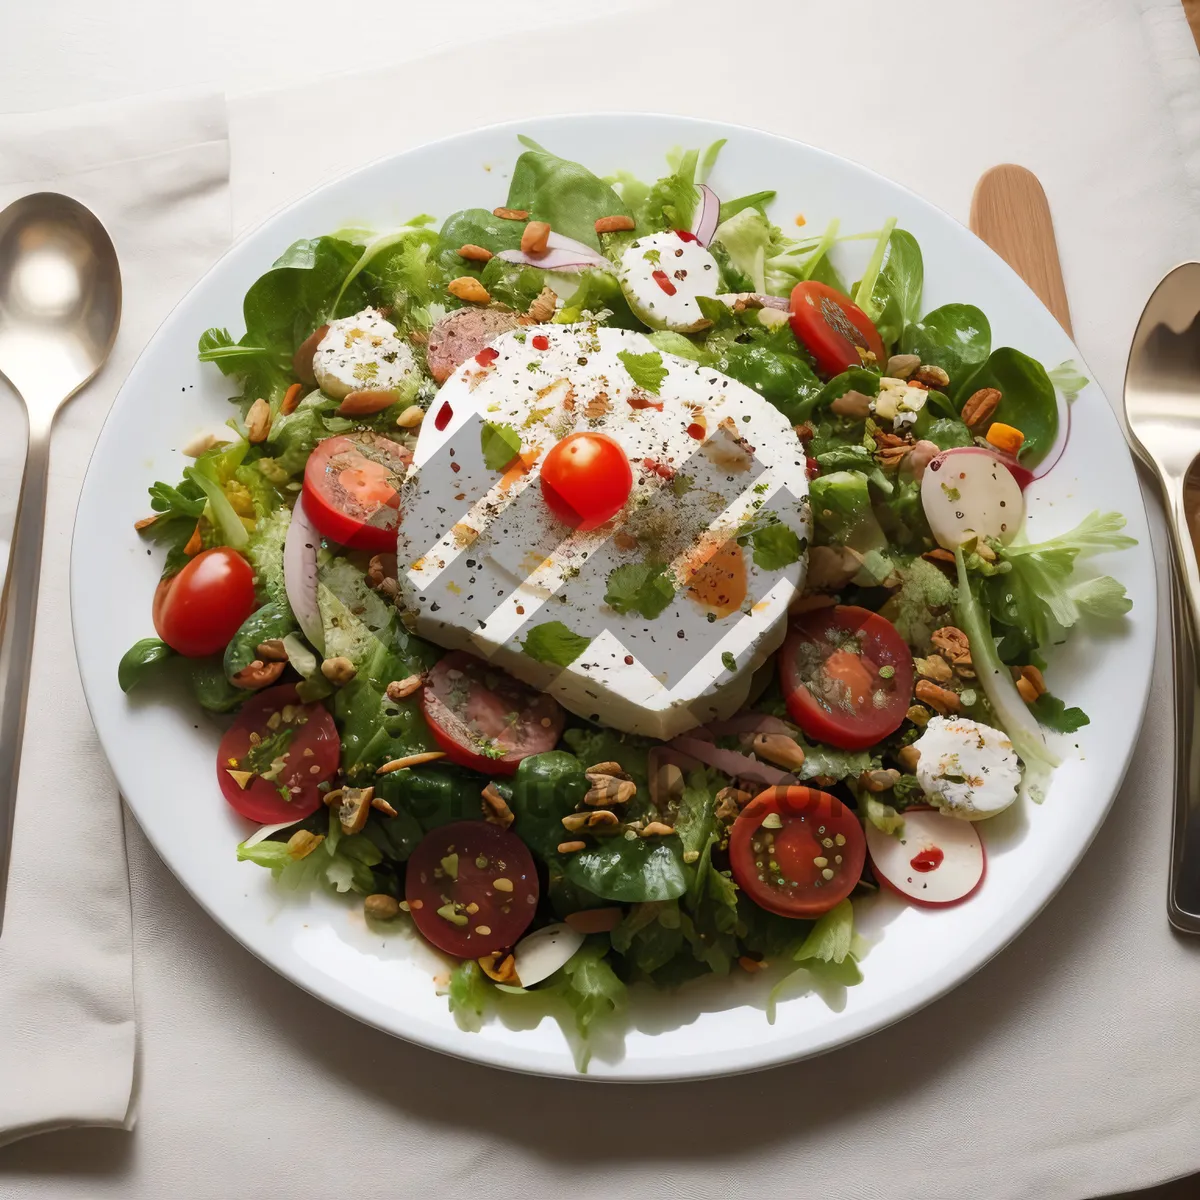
(552, 642)
(646, 370)
(500, 445)
(643, 587)
(1054, 714)
(776, 546)
(728, 661)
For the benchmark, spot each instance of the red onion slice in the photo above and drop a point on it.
(733, 763)
(560, 241)
(557, 260)
(704, 225)
(300, 574)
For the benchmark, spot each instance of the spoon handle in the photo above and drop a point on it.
(18, 612)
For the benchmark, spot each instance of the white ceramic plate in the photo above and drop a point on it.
(163, 753)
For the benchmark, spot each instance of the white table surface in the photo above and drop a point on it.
(60, 52)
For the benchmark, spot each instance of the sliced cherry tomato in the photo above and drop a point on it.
(847, 676)
(485, 719)
(586, 479)
(808, 863)
(197, 611)
(352, 489)
(833, 328)
(451, 888)
(287, 757)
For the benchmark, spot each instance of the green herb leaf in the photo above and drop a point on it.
(500, 445)
(776, 546)
(552, 642)
(137, 661)
(646, 370)
(728, 661)
(1054, 714)
(644, 588)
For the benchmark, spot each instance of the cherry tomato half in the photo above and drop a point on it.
(485, 719)
(833, 328)
(805, 866)
(847, 676)
(451, 888)
(287, 757)
(586, 479)
(352, 489)
(197, 611)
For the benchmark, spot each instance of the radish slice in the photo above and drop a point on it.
(968, 493)
(732, 763)
(541, 953)
(300, 574)
(708, 214)
(937, 860)
(559, 241)
(557, 260)
(1057, 450)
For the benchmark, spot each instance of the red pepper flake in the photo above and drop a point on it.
(685, 235)
(541, 342)
(443, 416)
(662, 470)
(812, 468)
(629, 660)
(640, 400)
(660, 277)
(696, 430)
(486, 357)
(455, 467)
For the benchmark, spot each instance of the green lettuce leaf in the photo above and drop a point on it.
(552, 642)
(646, 370)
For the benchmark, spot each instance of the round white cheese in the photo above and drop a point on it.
(967, 769)
(662, 274)
(362, 353)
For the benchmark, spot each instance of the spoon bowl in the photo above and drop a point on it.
(60, 307)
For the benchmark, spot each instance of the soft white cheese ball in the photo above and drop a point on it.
(362, 353)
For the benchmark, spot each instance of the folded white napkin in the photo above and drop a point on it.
(156, 174)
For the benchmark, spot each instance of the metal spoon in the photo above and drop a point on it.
(1162, 410)
(60, 305)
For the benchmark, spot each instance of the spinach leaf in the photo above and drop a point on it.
(650, 935)
(474, 227)
(944, 432)
(562, 193)
(210, 686)
(646, 370)
(513, 284)
(786, 380)
(552, 642)
(897, 292)
(712, 906)
(643, 587)
(856, 379)
(955, 337)
(1029, 402)
(137, 661)
(599, 291)
(433, 796)
(265, 624)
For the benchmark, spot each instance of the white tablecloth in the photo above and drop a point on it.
(1066, 1067)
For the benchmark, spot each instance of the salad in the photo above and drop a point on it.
(604, 588)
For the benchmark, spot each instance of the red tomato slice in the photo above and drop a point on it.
(197, 611)
(833, 328)
(805, 866)
(847, 676)
(485, 719)
(304, 738)
(471, 888)
(586, 479)
(352, 490)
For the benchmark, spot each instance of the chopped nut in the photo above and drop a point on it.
(410, 760)
(934, 667)
(258, 421)
(984, 550)
(1030, 683)
(339, 670)
(241, 778)
(852, 404)
(257, 675)
(411, 417)
(956, 646)
(575, 822)
(730, 802)
(571, 847)
(379, 804)
(615, 224)
(1035, 677)
(901, 366)
(779, 749)
(892, 456)
(938, 698)
(535, 237)
(918, 715)
(366, 403)
(291, 399)
(544, 306)
(979, 407)
(594, 920)
(502, 884)
(502, 970)
(510, 214)
(603, 818)
(657, 829)
(931, 376)
(908, 757)
(145, 523)
(381, 907)
(473, 253)
(1005, 437)
(878, 781)
(332, 798)
(495, 807)
(610, 785)
(272, 650)
(468, 288)
(302, 843)
(400, 689)
(1027, 690)
(354, 808)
